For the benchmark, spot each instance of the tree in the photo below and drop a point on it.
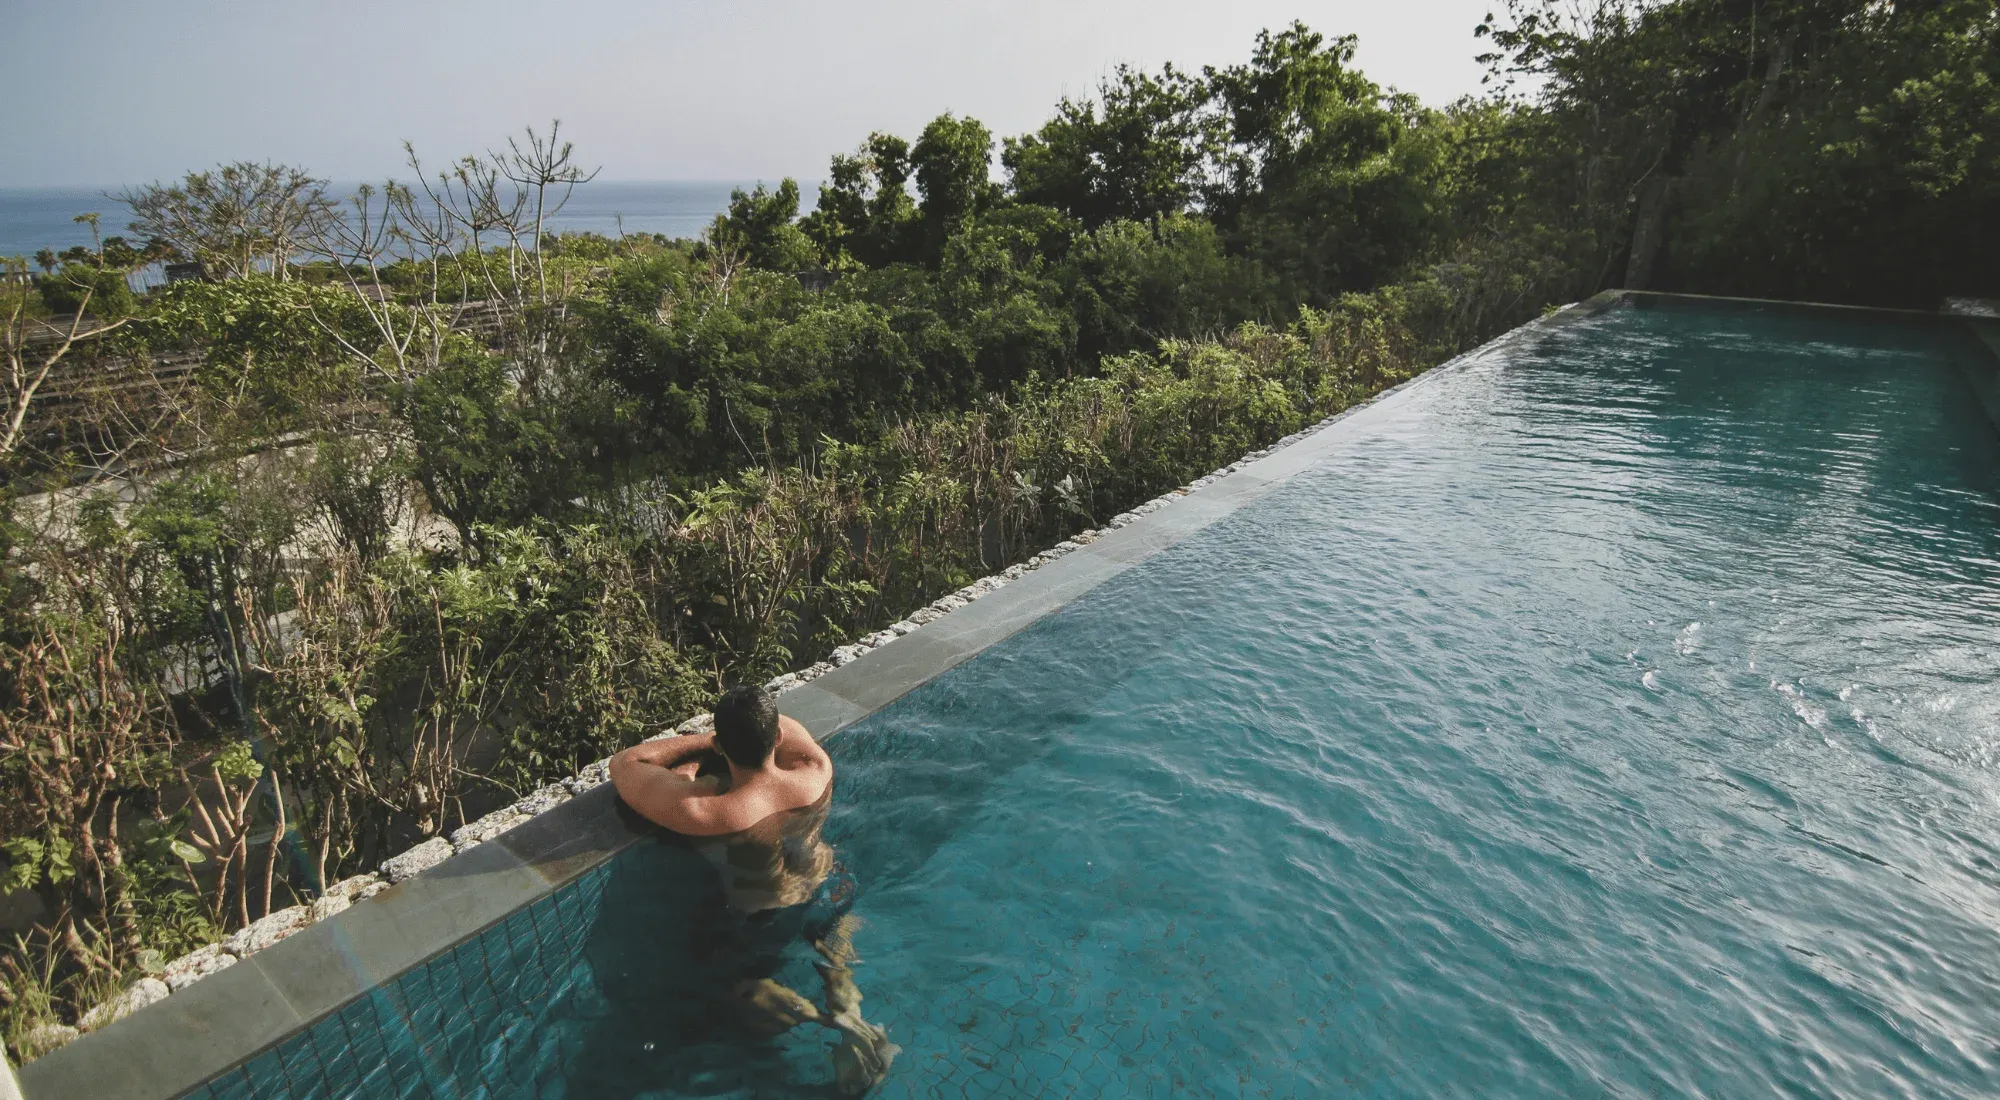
(865, 216)
(34, 343)
(475, 232)
(1820, 148)
(952, 161)
(1323, 177)
(480, 456)
(759, 227)
(233, 219)
(1140, 159)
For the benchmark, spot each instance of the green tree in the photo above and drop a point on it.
(759, 227)
(952, 161)
(1325, 180)
(865, 216)
(234, 219)
(1140, 158)
(480, 456)
(1821, 148)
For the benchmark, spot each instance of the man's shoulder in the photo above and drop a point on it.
(799, 740)
(807, 777)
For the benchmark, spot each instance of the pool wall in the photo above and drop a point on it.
(1985, 378)
(1982, 372)
(222, 1021)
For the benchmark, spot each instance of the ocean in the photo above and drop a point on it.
(41, 217)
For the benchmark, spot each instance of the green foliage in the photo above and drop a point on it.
(1132, 284)
(169, 914)
(1329, 182)
(1831, 149)
(32, 861)
(480, 455)
(355, 488)
(237, 762)
(1140, 159)
(950, 161)
(597, 599)
(82, 284)
(235, 219)
(759, 227)
(865, 216)
(274, 355)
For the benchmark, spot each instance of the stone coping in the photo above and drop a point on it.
(1644, 299)
(231, 1001)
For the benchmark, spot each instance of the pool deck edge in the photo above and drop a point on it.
(228, 1018)
(1986, 382)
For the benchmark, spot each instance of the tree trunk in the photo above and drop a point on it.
(1649, 230)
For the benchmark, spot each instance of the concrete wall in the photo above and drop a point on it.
(1985, 376)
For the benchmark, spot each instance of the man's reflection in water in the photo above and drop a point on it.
(752, 798)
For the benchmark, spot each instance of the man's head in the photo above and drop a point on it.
(746, 726)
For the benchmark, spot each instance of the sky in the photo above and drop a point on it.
(108, 93)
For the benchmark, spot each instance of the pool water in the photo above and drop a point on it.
(1616, 717)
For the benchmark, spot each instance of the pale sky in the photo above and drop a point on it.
(106, 92)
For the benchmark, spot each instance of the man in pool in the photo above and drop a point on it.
(752, 797)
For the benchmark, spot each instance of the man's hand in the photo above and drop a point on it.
(660, 766)
(672, 752)
(679, 757)
(661, 779)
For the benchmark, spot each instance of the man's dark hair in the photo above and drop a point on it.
(746, 726)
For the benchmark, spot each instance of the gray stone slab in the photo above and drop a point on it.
(169, 1047)
(1003, 614)
(1186, 517)
(562, 843)
(883, 675)
(821, 712)
(414, 920)
(311, 970)
(1984, 375)
(1244, 484)
(1134, 544)
(1652, 299)
(1301, 456)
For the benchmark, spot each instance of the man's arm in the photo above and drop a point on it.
(671, 753)
(655, 779)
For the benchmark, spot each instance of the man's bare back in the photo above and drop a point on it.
(665, 781)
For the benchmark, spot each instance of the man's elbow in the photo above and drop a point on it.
(626, 775)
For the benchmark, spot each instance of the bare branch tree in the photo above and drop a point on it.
(34, 344)
(373, 232)
(547, 171)
(471, 233)
(233, 219)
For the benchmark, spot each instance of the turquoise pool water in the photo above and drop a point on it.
(1616, 718)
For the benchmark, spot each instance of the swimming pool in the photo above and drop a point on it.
(1612, 716)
